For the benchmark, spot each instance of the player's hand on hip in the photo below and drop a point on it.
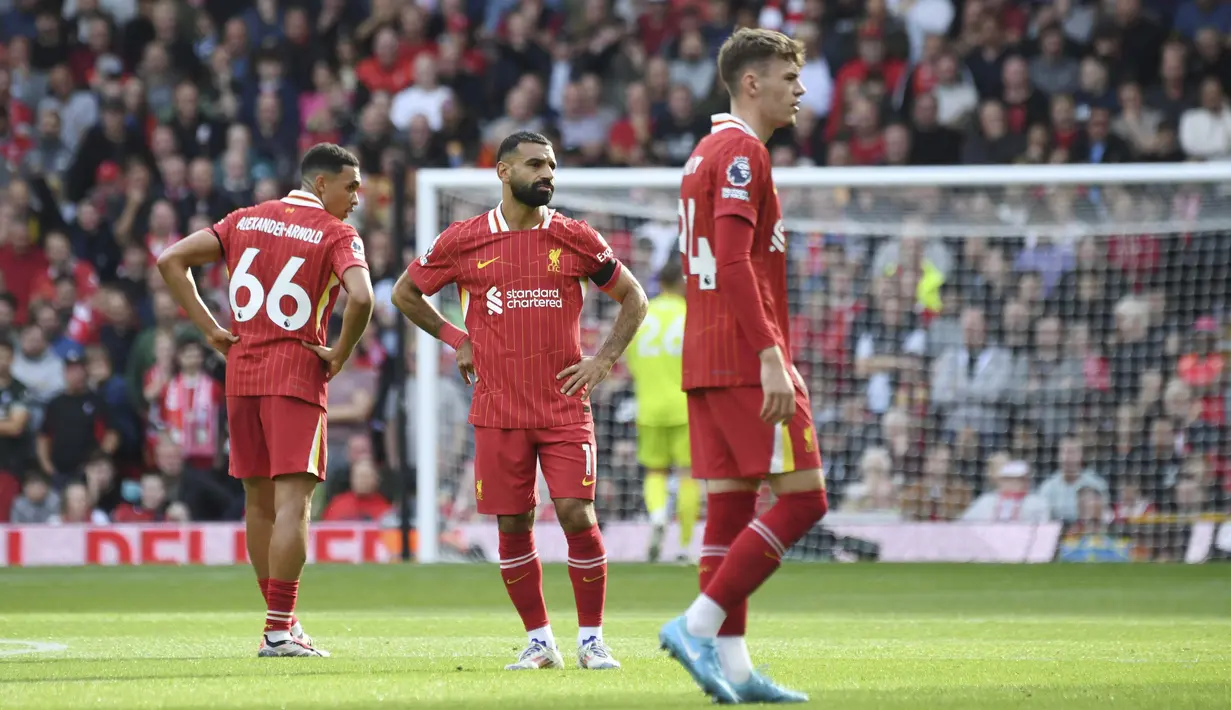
(583, 377)
(221, 340)
(465, 362)
(778, 404)
(334, 358)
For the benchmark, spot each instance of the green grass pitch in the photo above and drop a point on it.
(854, 636)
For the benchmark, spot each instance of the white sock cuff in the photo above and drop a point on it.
(542, 634)
(585, 632)
(734, 658)
(704, 617)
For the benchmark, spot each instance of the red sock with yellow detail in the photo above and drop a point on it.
(523, 580)
(587, 568)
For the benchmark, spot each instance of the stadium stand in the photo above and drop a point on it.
(1100, 378)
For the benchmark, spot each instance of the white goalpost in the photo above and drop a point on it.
(1151, 227)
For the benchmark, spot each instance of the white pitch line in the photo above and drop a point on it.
(26, 647)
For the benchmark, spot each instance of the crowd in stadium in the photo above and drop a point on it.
(984, 379)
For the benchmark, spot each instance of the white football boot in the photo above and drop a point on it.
(537, 655)
(594, 655)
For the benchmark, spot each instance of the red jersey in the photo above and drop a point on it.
(522, 292)
(285, 259)
(729, 174)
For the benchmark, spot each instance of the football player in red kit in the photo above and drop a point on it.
(748, 410)
(521, 269)
(286, 259)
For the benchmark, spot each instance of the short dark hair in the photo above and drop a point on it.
(326, 158)
(510, 144)
(97, 456)
(672, 273)
(754, 46)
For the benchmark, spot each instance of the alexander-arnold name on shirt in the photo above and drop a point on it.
(280, 229)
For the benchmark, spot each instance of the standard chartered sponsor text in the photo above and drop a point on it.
(533, 298)
(280, 229)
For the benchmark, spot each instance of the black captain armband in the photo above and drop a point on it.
(602, 277)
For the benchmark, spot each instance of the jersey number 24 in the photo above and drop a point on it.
(696, 248)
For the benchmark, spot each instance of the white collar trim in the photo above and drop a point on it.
(723, 121)
(497, 223)
(302, 198)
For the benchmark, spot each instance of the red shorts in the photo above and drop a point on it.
(505, 472)
(729, 440)
(274, 435)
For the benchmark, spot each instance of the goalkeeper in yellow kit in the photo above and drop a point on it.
(662, 410)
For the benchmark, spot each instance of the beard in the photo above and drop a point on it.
(533, 194)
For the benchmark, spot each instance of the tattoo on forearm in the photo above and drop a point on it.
(632, 312)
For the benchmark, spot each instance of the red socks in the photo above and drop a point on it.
(523, 578)
(729, 513)
(587, 567)
(758, 550)
(280, 599)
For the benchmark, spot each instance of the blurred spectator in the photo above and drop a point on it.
(956, 96)
(940, 494)
(151, 506)
(631, 137)
(352, 394)
(363, 501)
(1136, 123)
(816, 75)
(694, 67)
(1097, 144)
(206, 492)
(78, 507)
(37, 367)
(14, 417)
(76, 423)
(871, 60)
(1194, 15)
(1142, 39)
(38, 501)
(1053, 71)
(1024, 105)
(1011, 501)
(887, 344)
(932, 143)
(992, 143)
(583, 126)
(986, 60)
(677, 132)
(191, 408)
(971, 382)
(876, 491)
(1204, 370)
(1095, 89)
(425, 97)
(1205, 132)
(1061, 489)
(1173, 94)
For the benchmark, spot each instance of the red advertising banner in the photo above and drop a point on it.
(168, 544)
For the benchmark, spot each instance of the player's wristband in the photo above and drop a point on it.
(451, 335)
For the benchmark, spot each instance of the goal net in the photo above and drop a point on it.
(1034, 352)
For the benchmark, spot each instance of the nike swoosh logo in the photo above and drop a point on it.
(489, 262)
(511, 582)
(587, 580)
(588, 483)
(773, 557)
(692, 655)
